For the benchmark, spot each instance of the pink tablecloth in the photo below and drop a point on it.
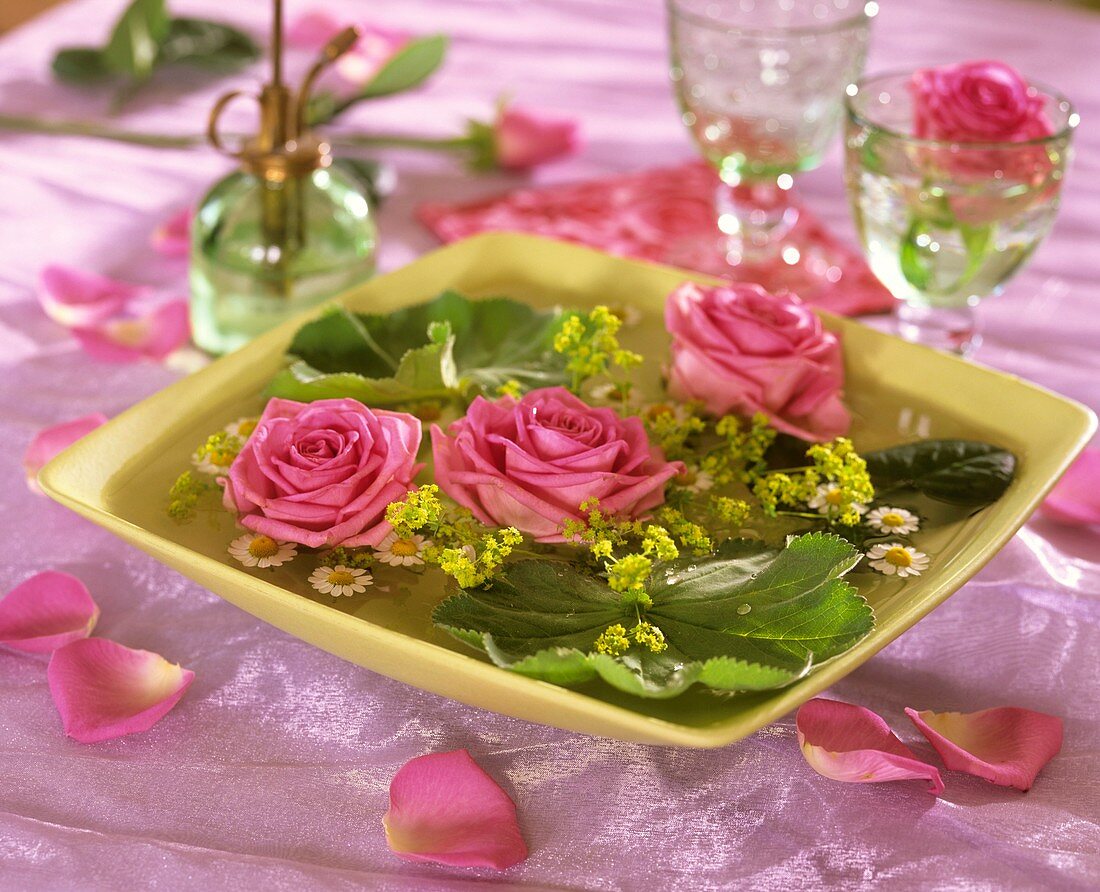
(273, 772)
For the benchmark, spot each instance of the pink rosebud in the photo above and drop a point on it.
(52, 441)
(322, 473)
(526, 139)
(737, 348)
(134, 338)
(74, 298)
(1076, 498)
(531, 463)
(46, 612)
(850, 743)
(1007, 745)
(104, 690)
(445, 808)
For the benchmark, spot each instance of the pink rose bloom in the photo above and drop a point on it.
(981, 102)
(737, 348)
(530, 463)
(322, 474)
(526, 139)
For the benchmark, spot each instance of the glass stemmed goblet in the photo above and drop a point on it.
(761, 88)
(945, 224)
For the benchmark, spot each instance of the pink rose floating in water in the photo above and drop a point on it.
(322, 473)
(737, 348)
(530, 463)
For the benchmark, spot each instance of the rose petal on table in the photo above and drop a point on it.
(172, 238)
(1076, 498)
(445, 808)
(850, 743)
(104, 690)
(1006, 745)
(312, 30)
(46, 612)
(75, 298)
(53, 440)
(152, 336)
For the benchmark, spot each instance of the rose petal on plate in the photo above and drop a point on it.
(1006, 745)
(852, 744)
(312, 30)
(172, 238)
(153, 336)
(46, 612)
(445, 808)
(104, 690)
(53, 440)
(1076, 498)
(76, 298)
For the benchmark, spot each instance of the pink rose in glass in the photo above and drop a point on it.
(526, 139)
(322, 474)
(981, 102)
(530, 463)
(737, 348)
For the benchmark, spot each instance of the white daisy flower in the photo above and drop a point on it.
(340, 580)
(897, 559)
(258, 550)
(629, 315)
(694, 480)
(398, 552)
(893, 520)
(242, 427)
(829, 497)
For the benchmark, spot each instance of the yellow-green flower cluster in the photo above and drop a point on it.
(184, 496)
(658, 542)
(687, 533)
(731, 512)
(471, 571)
(673, 430)
(835, 464)
(420, 508)
(590, 345)
(511, 388)
(628, 576)
(355, 558)
(740, 455)
(614, 641)
(220, 449)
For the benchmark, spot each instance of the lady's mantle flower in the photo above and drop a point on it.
(829, 499)
(893, 520)
(257, 550)
(340, 580)
(897, 559)
(402, 551)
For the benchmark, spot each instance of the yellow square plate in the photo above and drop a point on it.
(117, 476)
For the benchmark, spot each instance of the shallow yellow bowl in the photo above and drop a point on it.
(118, 476)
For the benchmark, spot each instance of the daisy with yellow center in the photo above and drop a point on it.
(398, 551)
(829, 498)
(893, 520)
(694, 480)
(340, 581)
(258, 550)
(242, 427)
(898, 560)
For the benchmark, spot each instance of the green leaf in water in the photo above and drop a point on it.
(959, 472)
(750, 617)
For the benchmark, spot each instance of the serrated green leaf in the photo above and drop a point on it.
(391, 359)
(134, 44)
(750, 617)
(959, 472)
(207, 44)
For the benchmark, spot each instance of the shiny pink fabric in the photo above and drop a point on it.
(273, 771)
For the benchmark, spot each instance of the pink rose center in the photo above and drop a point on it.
(320, 446)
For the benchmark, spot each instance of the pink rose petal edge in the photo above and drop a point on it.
(104, 690)
(853, 744)
(1006, 745)
(445, 808)
(51, 441)
(1076, 497)
(46, 612)
(154, 336)
(172, 238)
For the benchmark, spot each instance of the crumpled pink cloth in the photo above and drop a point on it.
(667, 215)
(273, 771)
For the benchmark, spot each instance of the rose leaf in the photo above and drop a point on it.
(750, 617)
(959, 472)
